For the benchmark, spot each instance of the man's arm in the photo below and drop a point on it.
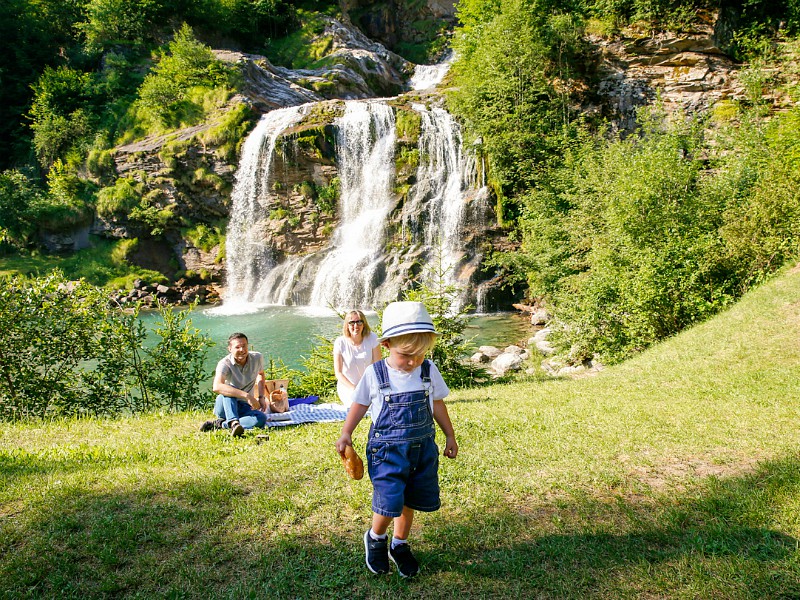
(220, 387)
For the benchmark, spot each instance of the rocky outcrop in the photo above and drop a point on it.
(182, 291)
(395, 22)
(511, 358)
(685, 72)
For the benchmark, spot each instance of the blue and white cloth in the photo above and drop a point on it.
(300, 412)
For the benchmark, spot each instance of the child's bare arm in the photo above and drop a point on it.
(354, 416)
(442, 417)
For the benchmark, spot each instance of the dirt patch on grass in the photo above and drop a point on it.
(675, 472)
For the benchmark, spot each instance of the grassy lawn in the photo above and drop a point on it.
(674, 475)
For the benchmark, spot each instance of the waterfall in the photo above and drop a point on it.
(356, 268)
(429, 76)
(365, 145)
(438, 193)
(249, 258)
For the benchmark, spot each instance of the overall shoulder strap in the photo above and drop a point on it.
(426, 371)
(382, 373)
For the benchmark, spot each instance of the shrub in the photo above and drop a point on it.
(19, 203)
(205, 237)
(168, 92)
(64, 350)
(120, 198)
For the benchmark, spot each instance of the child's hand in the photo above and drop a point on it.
(451, 447)
(342, 443)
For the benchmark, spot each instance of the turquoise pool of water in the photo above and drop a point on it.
(289, 333)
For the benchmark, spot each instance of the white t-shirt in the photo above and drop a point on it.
(368, 393)
(355, 360)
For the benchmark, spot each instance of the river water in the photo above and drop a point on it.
(288, 333)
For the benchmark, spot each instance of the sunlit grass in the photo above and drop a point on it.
(97, 264)
(674, 475)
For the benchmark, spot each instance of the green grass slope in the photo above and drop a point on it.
(674, 475)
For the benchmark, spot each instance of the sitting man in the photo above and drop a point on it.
(239, 376)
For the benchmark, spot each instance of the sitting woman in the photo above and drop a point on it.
(353, 351)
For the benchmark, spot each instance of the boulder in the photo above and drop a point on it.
(490, 351)
(507, 361)
(479, 358)
(540, 317)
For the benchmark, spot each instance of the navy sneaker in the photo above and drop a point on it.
(402, 556)
(212, 425)
(377, 554)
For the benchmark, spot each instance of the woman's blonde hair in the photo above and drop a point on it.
(415, 344)
(346, 328)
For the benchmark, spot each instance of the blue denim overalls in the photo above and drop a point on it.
(402, 456)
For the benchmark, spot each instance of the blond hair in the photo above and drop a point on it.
(414, 344)
(346, 328)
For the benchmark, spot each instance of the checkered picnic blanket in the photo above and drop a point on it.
(310, 413)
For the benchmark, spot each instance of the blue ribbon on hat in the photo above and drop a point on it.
(408, 327)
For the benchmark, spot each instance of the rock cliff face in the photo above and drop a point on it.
(685, 72)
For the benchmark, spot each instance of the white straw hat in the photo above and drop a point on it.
(400, 318)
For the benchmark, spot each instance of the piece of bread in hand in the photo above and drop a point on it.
(353, 463)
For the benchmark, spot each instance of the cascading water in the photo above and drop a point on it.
(355, 269)
(442, 176)
(365, 145)
(249, 258)
(429, 76)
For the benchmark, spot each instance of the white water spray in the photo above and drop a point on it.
(248, 256)
(365, 145)
(438, 193)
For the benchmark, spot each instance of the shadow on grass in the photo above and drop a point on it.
(205, 540)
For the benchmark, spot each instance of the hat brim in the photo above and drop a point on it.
(406, 332)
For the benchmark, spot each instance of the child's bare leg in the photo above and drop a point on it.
(380, 523)
(402, 524)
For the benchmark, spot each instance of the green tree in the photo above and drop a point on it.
(62, 113)
(20, 200)
(511, 87)
(120, 22)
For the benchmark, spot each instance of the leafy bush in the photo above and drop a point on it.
(120, 198)
(20, 200)
(186, 64)
(61, 113)
(65, 350)
(205, 237)
(633, 240)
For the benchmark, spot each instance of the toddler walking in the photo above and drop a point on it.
(404, 396)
